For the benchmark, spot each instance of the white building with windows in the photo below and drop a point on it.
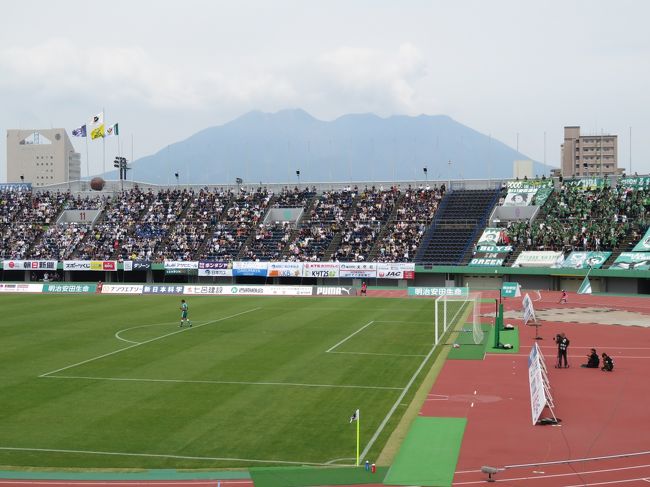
(41, 157)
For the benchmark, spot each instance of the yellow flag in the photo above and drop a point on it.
(97, 132)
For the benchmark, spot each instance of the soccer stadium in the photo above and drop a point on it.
(400, 333)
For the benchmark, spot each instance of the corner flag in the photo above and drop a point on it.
(585, 287)
(356, 416)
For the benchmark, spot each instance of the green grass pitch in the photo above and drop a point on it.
(112, 381)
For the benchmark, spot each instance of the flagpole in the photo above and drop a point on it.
(104, 143)
(358, 423)
(87, 157)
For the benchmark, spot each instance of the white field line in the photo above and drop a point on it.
(392, 410)
(382, 354)
(222, 382)
(349, 336)
(407, 322)
(156, 455)
(67, 483)
(568, 474)
(182, 330)
(117, 333)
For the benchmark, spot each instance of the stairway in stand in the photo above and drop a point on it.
(461, 215)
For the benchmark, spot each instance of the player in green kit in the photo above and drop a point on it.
(184, 311)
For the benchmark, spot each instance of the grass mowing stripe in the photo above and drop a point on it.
(223, 382)
(145, 342)
(349, 336)
(157, 455)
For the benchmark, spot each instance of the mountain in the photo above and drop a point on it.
(271, 147)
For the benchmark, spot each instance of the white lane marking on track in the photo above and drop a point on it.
(223, 382)
(182, 330)
(568, 474)
(155, 455)
(349, 336)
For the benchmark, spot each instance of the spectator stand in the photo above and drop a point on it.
(321, 223)
(237, 225)
(401, 238)
(369, 214)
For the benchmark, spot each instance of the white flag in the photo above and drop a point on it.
(97, 119)
(355, 416)
(112, 130)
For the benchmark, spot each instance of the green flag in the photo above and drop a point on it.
(585, 287)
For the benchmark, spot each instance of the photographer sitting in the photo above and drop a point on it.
(608, 363)
(593, 361)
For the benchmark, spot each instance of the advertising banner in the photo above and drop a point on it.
(33, 265)
(586, 183)
(635, 182)
(20, 288)
(539, 258)
(284, 269)
(15, 187)
(438, 291)
(502, 249)
(122, 288)
(510, 290)
(529, 184)
(632, 260)
(363, 270)
(141, 265)
(586, 260)
(246, 268)
(215, 290)
(214, 268)
(181, 264)
(334, 291)
(536, 381)
(490, 236)
(90, 265)
(487, 259)
(520, 197)
(320, 269)
(127, 265)
(162, 289)
(69, 288)
(182, 272)
(644, 244)
(396, 270)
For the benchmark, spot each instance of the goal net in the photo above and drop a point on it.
(451, 310)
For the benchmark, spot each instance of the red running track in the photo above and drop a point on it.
(603, 414)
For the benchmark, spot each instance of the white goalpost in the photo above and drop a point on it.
(450, 308)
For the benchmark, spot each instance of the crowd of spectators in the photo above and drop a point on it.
(23, 218)
(413, 216)
(371, 211)
(584, 219)
(269, 242)
(322, 222)
(239, 219)
(294, 198)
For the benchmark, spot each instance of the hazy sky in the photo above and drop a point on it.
(165, 70)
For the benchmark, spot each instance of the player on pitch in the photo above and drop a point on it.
(184, 311)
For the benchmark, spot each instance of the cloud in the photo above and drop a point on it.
(344, 79)
(383, 81)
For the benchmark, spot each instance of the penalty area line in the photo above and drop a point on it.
(182, 330)
(156, 455)
(349, 336)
